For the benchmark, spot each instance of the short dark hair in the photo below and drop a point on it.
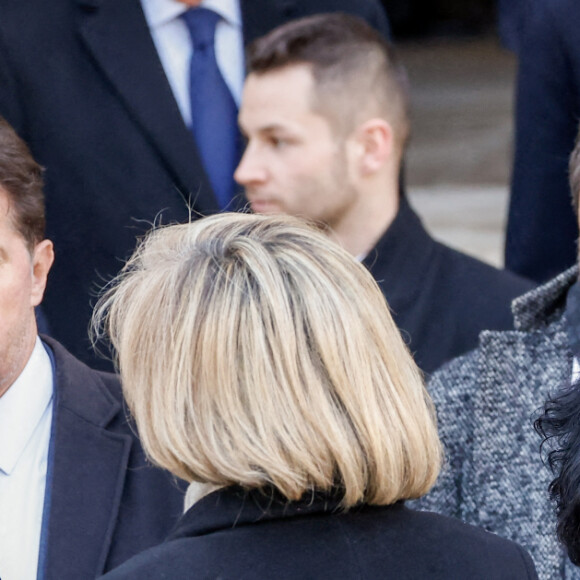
(343, 52)
(21, 179)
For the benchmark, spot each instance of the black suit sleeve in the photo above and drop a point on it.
(542, 229)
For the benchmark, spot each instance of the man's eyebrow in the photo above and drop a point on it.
(267, 129)
(272, 127)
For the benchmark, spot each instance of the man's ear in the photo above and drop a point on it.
(42, 259)
(376, 145)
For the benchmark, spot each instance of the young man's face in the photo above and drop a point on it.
(21, 290)
(293, 163)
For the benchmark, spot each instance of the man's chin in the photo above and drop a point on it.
(265, 206)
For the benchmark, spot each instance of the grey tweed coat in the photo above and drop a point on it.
(486, 404)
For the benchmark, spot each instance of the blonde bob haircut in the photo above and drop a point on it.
(255, 351)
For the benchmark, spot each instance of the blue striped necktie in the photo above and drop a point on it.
(213, 110)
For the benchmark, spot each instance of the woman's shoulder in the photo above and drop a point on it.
(366, 541)
(470, 550)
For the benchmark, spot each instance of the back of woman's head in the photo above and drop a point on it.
(254, 351)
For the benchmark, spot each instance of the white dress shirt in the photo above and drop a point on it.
(25, 421)
(173, 43)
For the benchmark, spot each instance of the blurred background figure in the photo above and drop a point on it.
(262, 365)
(542, 228)
(421, 18)
(511, 15)
(124, 102)
(325, 113)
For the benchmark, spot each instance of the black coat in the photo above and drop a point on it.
(82, 83)
(542, 226)
(231, 534)
(106, 502)
(441, 299)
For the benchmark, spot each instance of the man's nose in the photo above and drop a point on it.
(250, 170)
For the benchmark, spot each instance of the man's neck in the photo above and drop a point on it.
(359, 231)
(20, 359)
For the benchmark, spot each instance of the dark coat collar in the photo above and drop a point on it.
(94, 404)
(234, 507)
(406, 249)
(82, 490)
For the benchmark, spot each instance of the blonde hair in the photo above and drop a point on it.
(255, 351)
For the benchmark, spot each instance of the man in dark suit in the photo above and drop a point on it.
(77, 496)
(542, 229)
(327, 124)
(91, 88)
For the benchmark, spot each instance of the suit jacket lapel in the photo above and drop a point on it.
(116, 34)
(89, 468)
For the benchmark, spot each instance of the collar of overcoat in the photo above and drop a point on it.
(82, 489)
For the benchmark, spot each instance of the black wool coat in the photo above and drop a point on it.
(235, 534)
(440, 298)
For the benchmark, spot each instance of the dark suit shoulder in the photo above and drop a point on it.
(478, 291)
(494, 557)
(471, 270)
(441, 299)
(459, 298)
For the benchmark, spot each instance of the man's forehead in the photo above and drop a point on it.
(290, 84)
(278, 99)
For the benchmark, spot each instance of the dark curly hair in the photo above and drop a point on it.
(559, 425)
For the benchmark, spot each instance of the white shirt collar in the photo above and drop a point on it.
(158, 12)
(196, 491)
(22, 406)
